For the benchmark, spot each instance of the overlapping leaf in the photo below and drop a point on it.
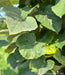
(25, 11)
(40, 66)
(47, 66)
(3, 40)
(57, 67)
(60, 40)
(24, 69)
(11, 47)
(28, 46)
(48, 37)
(59, 8)
(3, 43)
(15, 23)
(15, 59)
(60, 56)
(49, 20)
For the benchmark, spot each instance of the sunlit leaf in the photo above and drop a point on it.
(49, 20)
(28, 46)
(15, 23)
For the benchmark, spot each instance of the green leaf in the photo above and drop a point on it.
(8, 2)
(3, 40)
(13, 38)
(49, 20)
(59, 8)
(40, 66)
(14, 60)
(11, 47)
(47, 66)
(57, 67)
(26, 39)
(8, 71)
(25, 11)
(48, 37)
(3, 43)
(37, 64)
(15, 23)
(60, 40)
(60, 56)
(28, 46)
(50, 72)
(24, 69)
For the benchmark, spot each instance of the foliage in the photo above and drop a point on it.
(34, 36)
(4, 69)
